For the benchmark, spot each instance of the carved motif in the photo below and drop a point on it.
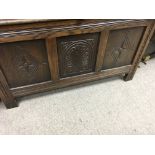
(75, 49)
(77, 56)
(26, 63)
(116, 52)
(121, 47)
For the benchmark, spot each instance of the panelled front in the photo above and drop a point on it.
(32, 62)
(24, 63)
(121, 47)
(28, 62)
(77, 54)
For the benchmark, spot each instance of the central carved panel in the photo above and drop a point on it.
(77, 54)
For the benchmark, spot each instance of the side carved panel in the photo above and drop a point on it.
(77, 54)
(24, 63)
(121, 47)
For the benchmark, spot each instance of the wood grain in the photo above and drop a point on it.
(24, 63)
(101, 52)
(5, 94)
(53, 58)
(46, 86)
(122, 46)
(58, 30)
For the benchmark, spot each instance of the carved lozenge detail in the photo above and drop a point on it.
(126, 46)
(121, 47)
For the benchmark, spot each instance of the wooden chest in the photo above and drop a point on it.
(41, 55)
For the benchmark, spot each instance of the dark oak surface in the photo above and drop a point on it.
(77, 54)
(121, 47)
(5, 93)
(24, 63)
(41, 55)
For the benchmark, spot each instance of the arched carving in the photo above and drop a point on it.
(77, 55)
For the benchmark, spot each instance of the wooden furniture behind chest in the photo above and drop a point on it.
(41, 55)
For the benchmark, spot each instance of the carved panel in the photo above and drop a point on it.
(121, 47)
(77, 54)
(24, 63)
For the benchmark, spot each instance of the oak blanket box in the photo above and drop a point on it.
(42, 55)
